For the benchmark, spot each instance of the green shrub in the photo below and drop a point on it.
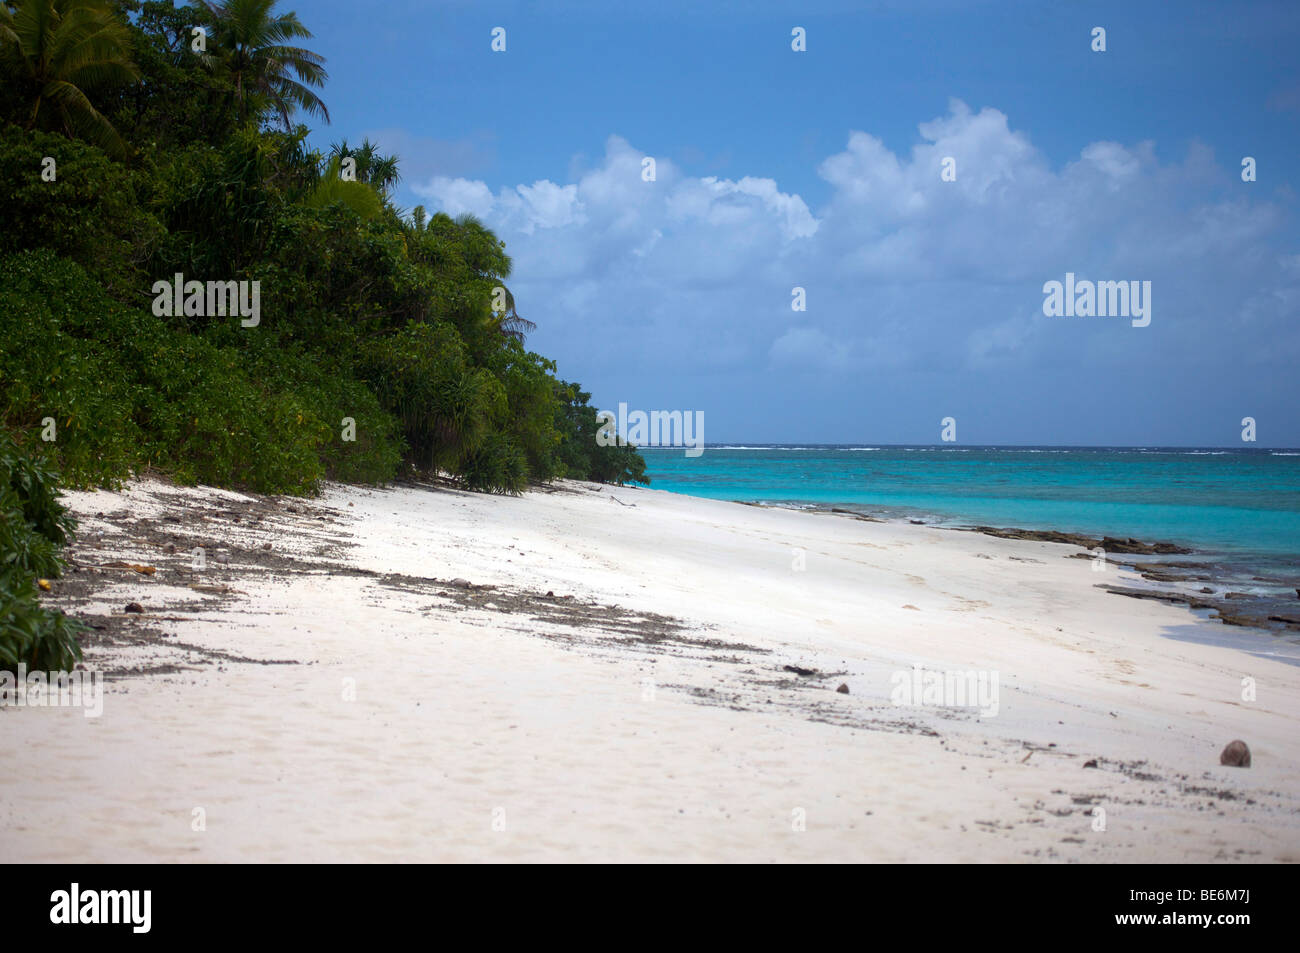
(33, 528)
(331, 281)
(91, 212)
(126, 391)
(532, 402)
(497, 466)
(331, 394)
(581, 457)
(445, 407)
(45, 639)
(55, 382)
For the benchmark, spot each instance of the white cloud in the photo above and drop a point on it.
(547, 205)
(458, 196)
(901, 268)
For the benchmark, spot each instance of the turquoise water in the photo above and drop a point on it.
(1243, 504)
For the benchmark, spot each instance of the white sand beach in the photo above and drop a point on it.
(611, 686)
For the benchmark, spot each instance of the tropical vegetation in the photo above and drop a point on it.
(141, 140)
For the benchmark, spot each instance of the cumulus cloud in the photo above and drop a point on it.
(459, 197)
(901, 268)
(615, 213)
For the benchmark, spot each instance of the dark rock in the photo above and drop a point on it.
(1228, 617)
(917, 522)
(805, 672)
(843, 689)
(1131, 545)
(1111, 544)
(1160, 595)
(1236, 755)
(266, 545)
(1251, 612)
(1206, 589)
(1038, 535)
(134, 607)
(1090, 764)
(854, 514)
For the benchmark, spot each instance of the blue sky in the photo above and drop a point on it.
(821, 169)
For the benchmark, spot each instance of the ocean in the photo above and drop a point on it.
(1239, 509)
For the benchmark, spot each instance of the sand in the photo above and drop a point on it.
(339, 698)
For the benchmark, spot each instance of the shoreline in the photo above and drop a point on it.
(1269, 615)
(625, 674)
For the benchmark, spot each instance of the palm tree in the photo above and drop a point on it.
(486, 255)
(251, 40)
(62, 50)
(509, 323)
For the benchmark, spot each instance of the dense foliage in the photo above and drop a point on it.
(140, 141)
(33, 529)
(132, 150)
